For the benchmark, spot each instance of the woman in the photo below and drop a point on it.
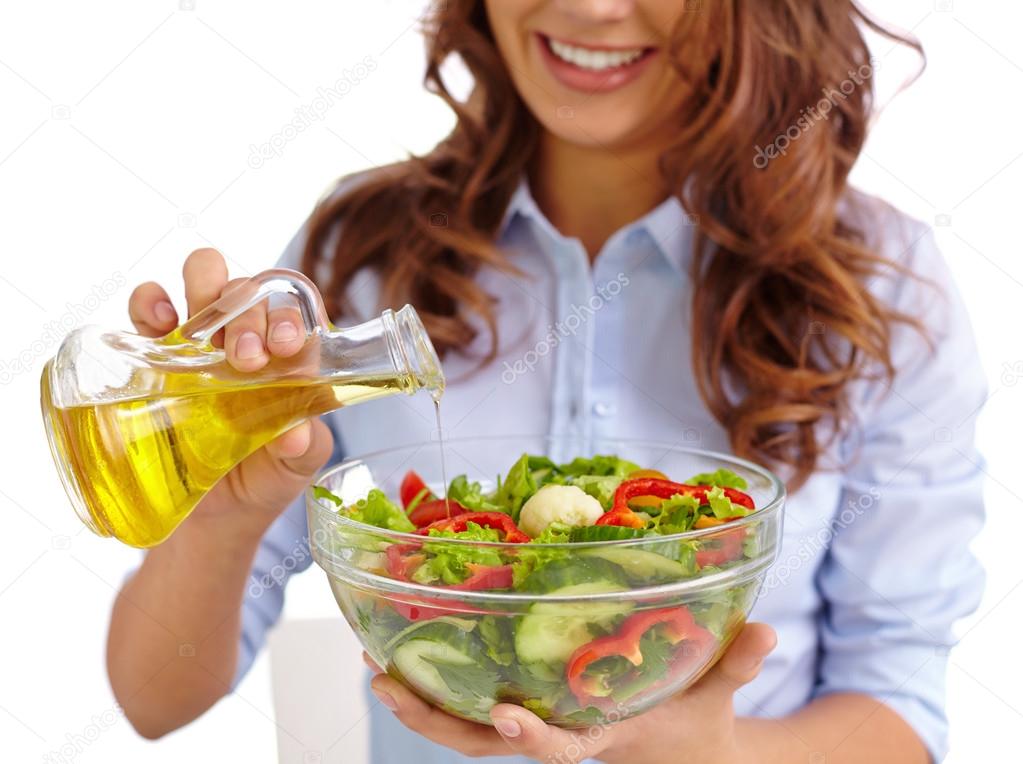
(697, 156)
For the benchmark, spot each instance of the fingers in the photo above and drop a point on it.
(271, 477)
(526, 735)
(373, 665)
(515, 729)
(303, 449)
(285, 332)
(253, 337)
(205, 274)
(151, 311)
(468, 738)
(249, 340)
(743, 660)
(740, 664)
(244, 336)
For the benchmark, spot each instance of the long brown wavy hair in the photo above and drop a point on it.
(783, 319)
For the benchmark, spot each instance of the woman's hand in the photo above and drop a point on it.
(696, 726)
(261, 486)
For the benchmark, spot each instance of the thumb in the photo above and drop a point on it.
(527, 735)
(740, 664)
(273, 475)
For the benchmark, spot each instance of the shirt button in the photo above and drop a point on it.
(604, 409)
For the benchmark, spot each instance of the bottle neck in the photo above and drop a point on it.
(392, 348)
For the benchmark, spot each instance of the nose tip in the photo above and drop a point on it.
(597, 11)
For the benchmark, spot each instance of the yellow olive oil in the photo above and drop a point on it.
(136, 467)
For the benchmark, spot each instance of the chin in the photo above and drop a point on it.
(608, 129)
(591, 133)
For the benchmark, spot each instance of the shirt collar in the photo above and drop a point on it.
(668, 226)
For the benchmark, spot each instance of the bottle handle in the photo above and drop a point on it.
(203, 325)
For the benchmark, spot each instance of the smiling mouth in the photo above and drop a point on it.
(594, 59)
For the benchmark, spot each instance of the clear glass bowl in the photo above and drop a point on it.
(598, 631)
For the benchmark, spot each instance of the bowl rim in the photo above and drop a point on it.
(329, 512)
(393, 589)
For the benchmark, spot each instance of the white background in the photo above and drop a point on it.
(124, 144)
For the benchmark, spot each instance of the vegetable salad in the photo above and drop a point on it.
(571, 662)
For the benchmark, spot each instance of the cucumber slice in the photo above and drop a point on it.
(558, 574)
(605, 533)
(552, 631)
(414, 661)
(435, 628)
(638, 564)
(447, 664)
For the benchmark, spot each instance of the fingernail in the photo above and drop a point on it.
(508, 727)
(249, 346)
(284, 332)
(386, 699)
(165, 312)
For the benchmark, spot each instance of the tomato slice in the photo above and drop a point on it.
(402, 560)
(411, 486)
(434, 510)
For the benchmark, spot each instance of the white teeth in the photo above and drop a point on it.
(595, 60)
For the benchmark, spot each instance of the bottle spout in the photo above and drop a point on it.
(413, 353)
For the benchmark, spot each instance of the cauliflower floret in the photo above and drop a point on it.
(566, 504)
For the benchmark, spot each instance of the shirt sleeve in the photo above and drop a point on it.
(899, 573)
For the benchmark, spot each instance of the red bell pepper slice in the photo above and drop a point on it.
(729, 547)
(485, 577)
(481, 578)
(497, 520)
(621, 514)
(412, 486)
(427, 512)
(678, 626)
(402, 561)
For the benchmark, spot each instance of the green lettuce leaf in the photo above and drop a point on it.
(657, 657)
(677, 514)
(320, 492)
(541, 463)
(723, 507)
(498, 638)
(376, 509)
(600, 487)
(470, 495)
(517, 487)
(468, 683)
(599, 465)
(447, 563)
(554, 533)
(721, 477)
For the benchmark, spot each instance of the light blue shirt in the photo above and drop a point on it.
(874, 568)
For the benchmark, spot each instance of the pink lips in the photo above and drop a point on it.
(587, 80)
